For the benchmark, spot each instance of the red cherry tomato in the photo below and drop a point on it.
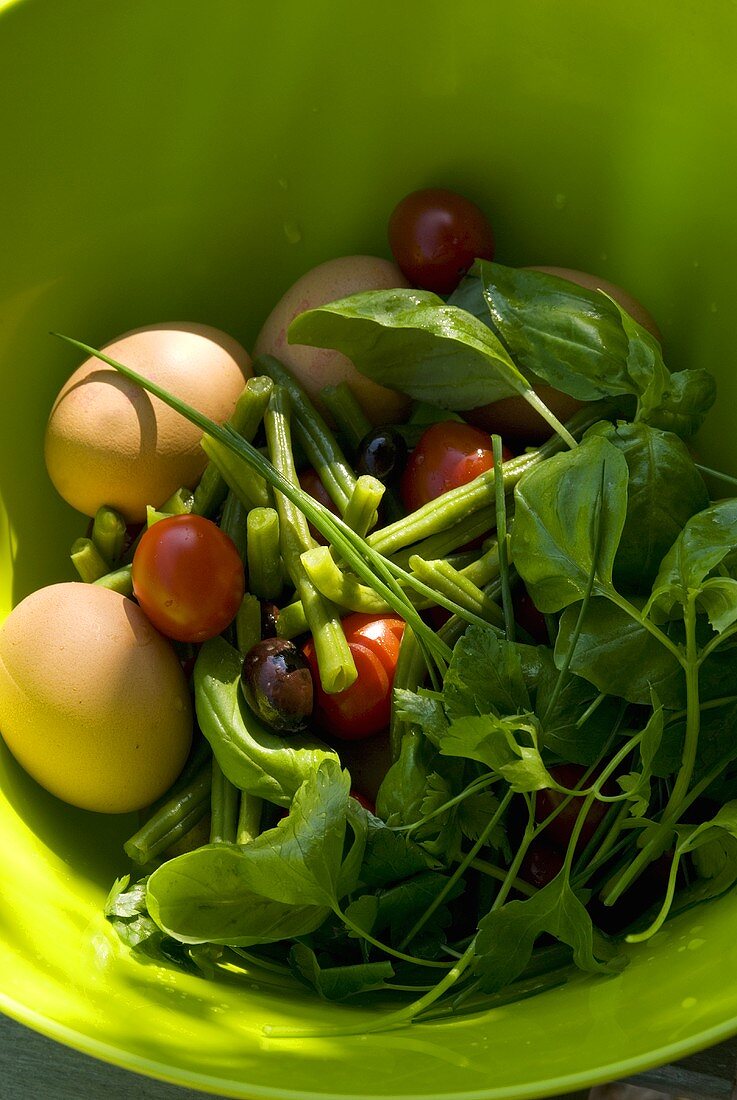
(309, 480)
(188, 578)
(435, 235)
(448, 454)
(541, 864)
(364, 708)
(528, 616)
(561, 827)
(362, 800)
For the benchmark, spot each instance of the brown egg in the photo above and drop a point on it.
(517, 421)
(93, 701)
(109, 442)
(318, 367)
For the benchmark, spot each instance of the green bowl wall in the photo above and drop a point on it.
(187, 160)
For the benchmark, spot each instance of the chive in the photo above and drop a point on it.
(234, 522)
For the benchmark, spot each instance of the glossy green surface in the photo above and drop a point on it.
(187, 160)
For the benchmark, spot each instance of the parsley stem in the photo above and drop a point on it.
(693, 713)
(459, 871)
(385, 947)
(500, 874)
(471, 789)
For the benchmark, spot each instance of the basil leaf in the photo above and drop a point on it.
(553, 537)
(686, 399)
(701, 546)
(251, 756)
(507, 936)
(636, 785)
(619, 656)
(664, 490)
(335, 983)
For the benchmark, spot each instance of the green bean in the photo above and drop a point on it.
(175, 818)
(265, 568)
(120, 580)
(248, 624)
(224, 800)
(234, 522)
(347, 413)
(337, 669)
(450, 582)
(361, 514)
(108, 533)
(247, 416)
(249, 818)
(340, 588)
(443, 543)
(313, 434)
(292, 622)
(179, 503)
(483, 569)
(88, 561)
(252, 493)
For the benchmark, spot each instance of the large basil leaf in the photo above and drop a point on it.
(251, 756)
(664, 490)
(569, 515)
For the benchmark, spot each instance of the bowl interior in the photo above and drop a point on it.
(182, 160)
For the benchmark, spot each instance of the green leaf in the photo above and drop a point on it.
(390, 856)
(411, 341)
(686, 399)
(336, 983)
(555, 523)
(703, 543)
(282, 884)
(399, 907)
(620, 657)
(664, 490)
(718, 598)
(421, 709)
(251, 756)
(485, 674)
(506, 745)
(507, 936)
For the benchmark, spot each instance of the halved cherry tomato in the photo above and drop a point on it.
(365, 707)
(435, 235)
(309, 480)
(188, 578)
(448, 454)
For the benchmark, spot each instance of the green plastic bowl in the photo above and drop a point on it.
(187, 160)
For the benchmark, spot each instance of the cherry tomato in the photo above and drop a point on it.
(541, 864)
(528, 616)
(309, 480)
(448, 454)
(561, 827)
(365, 707)
(362, 800)
(435, 235)
(188, 578)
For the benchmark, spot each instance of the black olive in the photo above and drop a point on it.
(269, 615)
(277, 684)
(382, 453)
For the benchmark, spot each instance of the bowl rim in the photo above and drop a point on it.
(240, 1090)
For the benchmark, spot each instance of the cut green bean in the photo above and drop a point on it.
(315, 437)
(172, 820)
(248, 624)
(178, 504)
(120, 580)
(247, 416)
(265, 568)
(443, 543)
(251, 491)
(108, 533)
(450, 582)
(347, 413)
(343, 589)
(234, 522)
(88, 561)
(334, 659)
(224, 803)
(292, 621)
(249, 818)
(483, 569)
(361, 513)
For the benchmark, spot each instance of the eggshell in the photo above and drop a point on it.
(512, 417)
(93, 701)
(319, 367)
(109, 442)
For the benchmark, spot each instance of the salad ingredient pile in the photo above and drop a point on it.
(464, 716)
